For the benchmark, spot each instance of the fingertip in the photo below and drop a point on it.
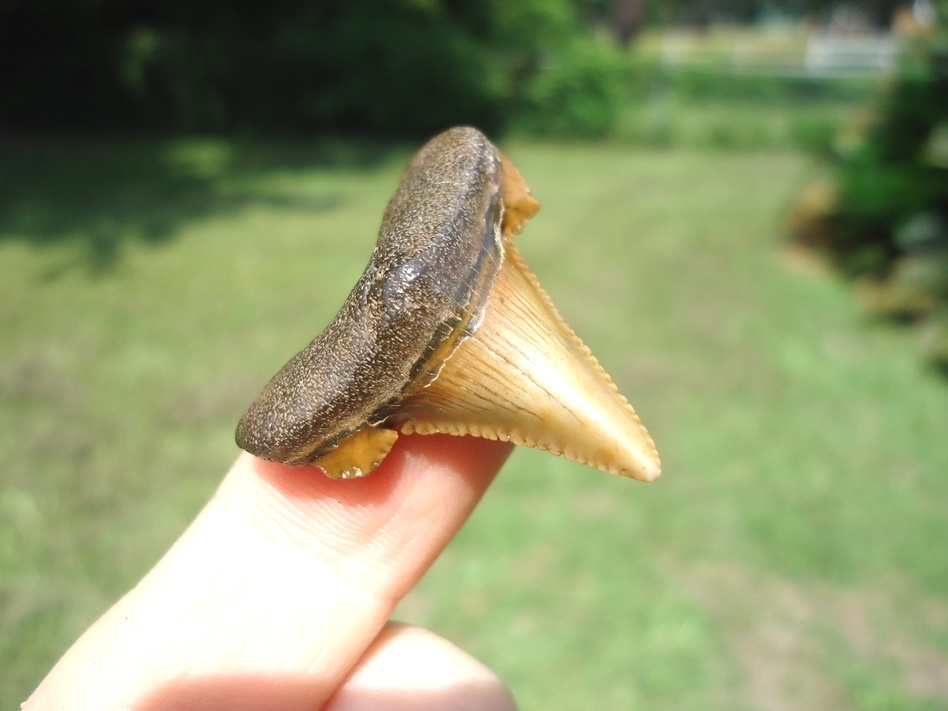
(412, 458)
(426, 487)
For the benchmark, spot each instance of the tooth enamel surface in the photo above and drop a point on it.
(525, 377)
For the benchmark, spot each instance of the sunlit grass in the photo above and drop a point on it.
(791, 556)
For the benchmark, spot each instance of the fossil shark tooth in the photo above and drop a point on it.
(447, 330)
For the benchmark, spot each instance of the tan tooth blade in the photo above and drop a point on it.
(525, 377)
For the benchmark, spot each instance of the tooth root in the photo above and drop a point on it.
(358, 454)
(525, 377)
(519, 203)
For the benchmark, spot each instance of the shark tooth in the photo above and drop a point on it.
(447, 331)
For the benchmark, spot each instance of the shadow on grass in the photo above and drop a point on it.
(103, 193)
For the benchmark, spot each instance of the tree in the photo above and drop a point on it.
(388, 66)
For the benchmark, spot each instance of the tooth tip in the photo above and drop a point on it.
(647, 474)
(648, 465)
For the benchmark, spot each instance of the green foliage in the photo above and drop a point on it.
(662, 111)
(723, 83)
(888, 223)
(577, 92)
(390, 67)
(892, 177)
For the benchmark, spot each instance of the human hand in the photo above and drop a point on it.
(278, 596)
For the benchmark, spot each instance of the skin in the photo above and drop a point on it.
(279, 595)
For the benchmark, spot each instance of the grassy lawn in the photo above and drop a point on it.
(793, 556)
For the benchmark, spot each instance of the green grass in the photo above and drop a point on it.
(793, 555)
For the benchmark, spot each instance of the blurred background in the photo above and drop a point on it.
(745, 216)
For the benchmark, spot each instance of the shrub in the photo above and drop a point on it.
(578, 91)
(402, 67)
(887, 224)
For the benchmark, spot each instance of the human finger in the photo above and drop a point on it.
(412, 669)
(279, 585)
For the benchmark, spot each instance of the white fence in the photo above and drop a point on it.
(815, 54)
(868, 54)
